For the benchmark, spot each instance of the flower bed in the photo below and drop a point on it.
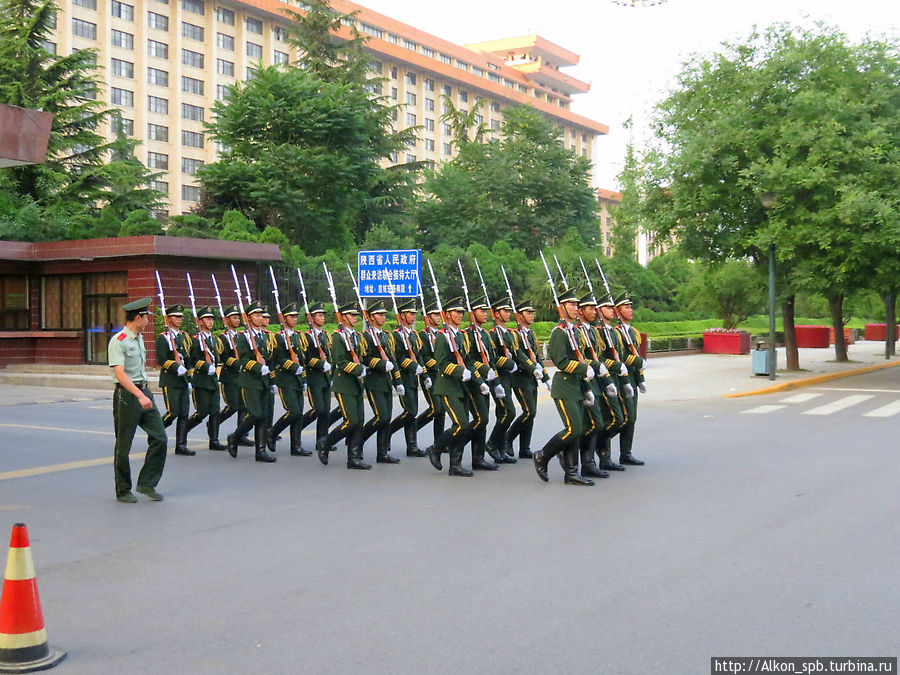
(722, 341)
(878, 331)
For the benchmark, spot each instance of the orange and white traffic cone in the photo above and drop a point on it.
(23, 639)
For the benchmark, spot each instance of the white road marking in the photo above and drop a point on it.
(800, 398)
(840, 404)
(763, 409)
(876, 391)
(888, 410)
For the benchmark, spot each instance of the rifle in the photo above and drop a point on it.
(519, 327)
(437, 298)
(200, 337)
(247, 289)
(425, 318)
(367, 318)
(248, 333)
(337, 314)
(312, 330)
(170, 339)
(573, 343)
(476, 331)
(584, 332)
(400, 327)
(626, 333)
(287, 339)
(493, 314)
(222, 314)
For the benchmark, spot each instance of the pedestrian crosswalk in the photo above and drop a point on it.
(866, 403)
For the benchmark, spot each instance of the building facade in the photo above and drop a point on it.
(166, 62)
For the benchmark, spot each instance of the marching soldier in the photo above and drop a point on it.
(484, 378)
(631, 340)
(525, 380)
(347, 387)
(428, 337)
(504, 345)
(273, 388)
(377, 351)
(570, 392)
(408, 356)
(231, 368)
(318, 376)
(618, 374)
(205, 350)
(289, 357)
(133, 406)
(255, 351)
(173, 353)
(451, 389)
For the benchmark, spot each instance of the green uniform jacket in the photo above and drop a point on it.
(524, 376)
(285, 367)
(634, 362)
(609, 357)
(251, 370)
(201, 378)
(473, 358)
(449, 380)
(428, 338)
(408, 365)
(346, 370)
(315, 376)
(229, 358)
(378, 378)
(165, 356)
(591, 347)
(500, 337)
(568, 381)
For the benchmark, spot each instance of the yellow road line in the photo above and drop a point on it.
(40, 428)
(808, 381)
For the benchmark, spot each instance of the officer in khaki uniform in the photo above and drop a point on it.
(428, 337)
(289, 359)
(173, 353)
(376, 353)
(631, 343)
(408, 356)
(525, 380)
(133, 406)
(205, 350)
(231, 368)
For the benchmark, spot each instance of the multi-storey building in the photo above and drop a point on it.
(165, 62)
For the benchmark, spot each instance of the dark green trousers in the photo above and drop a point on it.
(458, 412)
(381, 403)
(434, 412)
(409, 403)
(614, 413)
(319, 408)
(206, 402)
(571, 412)
(128, 415)
(351, 407)
(177, 404)
(292, 402)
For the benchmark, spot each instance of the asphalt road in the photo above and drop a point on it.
(746, 534)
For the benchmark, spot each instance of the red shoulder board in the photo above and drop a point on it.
(121, 337)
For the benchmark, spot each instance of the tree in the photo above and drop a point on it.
(733, 290)
(525, 189)
(627, 214)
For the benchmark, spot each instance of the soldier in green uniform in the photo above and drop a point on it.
(504, 345)
(255, 352)
(347, 388)
(205, 356)
(408, 356)
(377, 352)
(173, 353)
(273, 371)
(635, 364)
(479, 359)
(451, 388)
(525, 380)
(231, 368)
(133, 406)
(614, 355)
(318, 376)
(570, 393)
(428, 337)
(289, 359)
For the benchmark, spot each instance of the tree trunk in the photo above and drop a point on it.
(836, 306)
(890, 335)
(792, 354)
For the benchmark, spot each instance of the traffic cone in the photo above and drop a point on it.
(23, 640)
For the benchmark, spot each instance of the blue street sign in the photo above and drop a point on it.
(379, 269)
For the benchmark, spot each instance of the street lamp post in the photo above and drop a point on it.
(767, 199)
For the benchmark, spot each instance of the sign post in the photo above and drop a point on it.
(402, 268)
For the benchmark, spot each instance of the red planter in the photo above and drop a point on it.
(726, 343)
(642, 350)
(849, 336)
(813, 336)
(878, 331)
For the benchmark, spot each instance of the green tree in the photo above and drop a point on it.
(733, 290)
(627, 214)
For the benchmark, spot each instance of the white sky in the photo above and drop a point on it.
(630, 55)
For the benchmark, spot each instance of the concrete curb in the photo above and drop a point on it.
(808, 381)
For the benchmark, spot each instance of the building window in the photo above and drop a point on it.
(49, 47)
(411, 78)
(410, 158)
(190, 58)
(158, 160)
(122, 68)
(410, 98)
(446, 130)
(429, 124)
(157, 21)
(410, 120)
(280, 58)
(409, 44)
(429, 104)
(158, 49)
(393, 72)
(447, 149)
(445, 58)
(495, 125)
(224, 67)
(253, 25)
(393, 39)
(250, 73)
(122, 97)
(495, 107)
(376, 66)
(192, 112)
(447, 90)
(195, 6)
(478, 71)
(225, 15)
(191, 85)
(429, 84)
(122, 39)
(493, 77)
(254, 51)
(159, 186)
(84, 29)
(279, 34)
(192, 31)
(190, 193)
(157, 132)
(479, 119)
(122, 125)
(14, 302)
(371, 30)
(122, 10)
(462, 64)
(429, 144)
(523, 88)
(190, 166)
(394, 93)
(87, 4)
(158, 105)
(61, 302)
(222, 92)
(224, 41)
(508, 82)
(463, 96)
(427, 51)
(192, 139)
(157, 76)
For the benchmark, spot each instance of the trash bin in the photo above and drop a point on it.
(761, 358)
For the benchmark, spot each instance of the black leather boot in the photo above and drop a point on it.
(626, 438)
(181, 430)
(260, 435)
(412, 444)
(525, 439)
(193, 421)
(479, 463)
(383, 443)
(569, 460)
(543, 456)
(604, 453)
(212, 429)
(355, 451)
(456, 467)
(296, 446)
(588, 467)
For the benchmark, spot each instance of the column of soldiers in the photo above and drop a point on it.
(459, 370)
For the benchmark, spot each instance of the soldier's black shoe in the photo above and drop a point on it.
(300, 452)
(126, 498)
(592, 471)
(460, 471)
(525, 453)
(215, 445)
(265, 456)
(508, 449)
(630, 460)
(245, 441)
(483, 465)
(434, 457)
(415, 451)
(385, 457)
(540, 465)
(322, 452)
(231, 445)
(150, 492)
(576, 479)
(506, 459)
(358, 464)
(610, 465)
(182, 450)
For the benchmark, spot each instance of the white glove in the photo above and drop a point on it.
(467, 375)
(589, 398)
(427, 382)
(264, 370)
(484, 389)
(602, 371)
(299, 371)
(515, 367)
(388, 366)
(419, 370)
(628, 390)
(623, 371)
(549, 388)
(401, 390)
(499, 391)
(181, 371)
(190, 387)
(644, 365)
(611, 390)
(491, 376)
(538, 372)
(589, 375)
(304, 386)
(363, 373)
(326, 367)
(210, 369)
(643, 388)
(273, 389)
